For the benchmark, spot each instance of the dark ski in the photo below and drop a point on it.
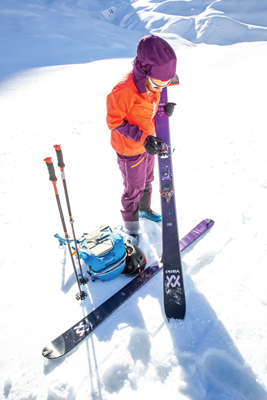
(73, 336)
(173, 283)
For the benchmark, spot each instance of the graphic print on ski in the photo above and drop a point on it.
(65, 342)
(173, 283)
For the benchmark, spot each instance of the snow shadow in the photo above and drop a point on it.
(139, 346)
(199, 346)
(95, 382)
(207, 354)
(51, 365)
(115, 376)
(61, 390)
(7, 387)
(209, 360)
(66, 285)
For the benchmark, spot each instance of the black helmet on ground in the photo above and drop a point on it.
(135, 259)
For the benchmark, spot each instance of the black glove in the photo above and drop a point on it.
(168, 108)
(152, 144)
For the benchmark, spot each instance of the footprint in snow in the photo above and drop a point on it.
(115, 377)
(61, 391)
(140, 346)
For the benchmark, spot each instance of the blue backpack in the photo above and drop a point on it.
(103, 251)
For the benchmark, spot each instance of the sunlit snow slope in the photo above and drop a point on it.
(42, 33)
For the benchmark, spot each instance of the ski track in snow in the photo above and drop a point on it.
(218, 129)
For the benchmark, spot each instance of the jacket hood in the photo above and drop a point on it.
(156, 59)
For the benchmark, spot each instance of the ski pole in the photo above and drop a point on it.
(52, 176)
(61, 165)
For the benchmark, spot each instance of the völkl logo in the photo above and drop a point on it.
(172, 278)
(82, 328)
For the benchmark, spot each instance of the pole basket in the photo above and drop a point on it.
(81, 296)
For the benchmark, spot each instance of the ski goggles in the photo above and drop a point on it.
(158, 87)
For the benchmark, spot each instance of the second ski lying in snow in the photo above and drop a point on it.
(73, 336)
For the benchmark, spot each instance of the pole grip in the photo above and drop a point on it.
(51, 169)
(60, 161)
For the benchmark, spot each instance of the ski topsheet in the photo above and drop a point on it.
(73, 336)
(173, 283)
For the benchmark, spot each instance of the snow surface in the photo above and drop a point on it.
(219, 352)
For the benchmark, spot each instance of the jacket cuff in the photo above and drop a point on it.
(143, 137)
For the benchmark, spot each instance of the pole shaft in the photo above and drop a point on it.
(53, 178)
(66, 236)
(61, 165)
(72, 223)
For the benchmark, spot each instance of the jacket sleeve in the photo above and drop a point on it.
(119, 103)
(129, 131)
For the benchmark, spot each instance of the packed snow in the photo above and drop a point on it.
(59, 60)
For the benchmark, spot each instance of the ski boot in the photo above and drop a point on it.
(127, 236)
(150, 214)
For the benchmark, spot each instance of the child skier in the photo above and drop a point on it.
(131, 108)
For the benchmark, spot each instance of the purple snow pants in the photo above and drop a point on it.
(138, 173)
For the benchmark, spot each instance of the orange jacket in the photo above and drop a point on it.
(125, 103)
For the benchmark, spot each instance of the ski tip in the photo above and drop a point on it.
(209, 223)
(47, 352)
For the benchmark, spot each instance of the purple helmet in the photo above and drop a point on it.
(156, 59)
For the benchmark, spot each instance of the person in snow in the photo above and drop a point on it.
(131, 108)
